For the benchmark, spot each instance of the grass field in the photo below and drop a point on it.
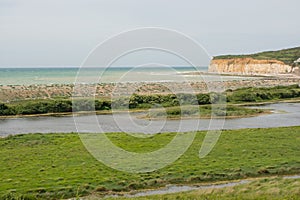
(204, 111)
(47, 166)
(288, 56)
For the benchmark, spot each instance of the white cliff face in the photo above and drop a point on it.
(296, 70)
(249, 66)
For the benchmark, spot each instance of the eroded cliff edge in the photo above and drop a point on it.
(286, 61)
(249, 66)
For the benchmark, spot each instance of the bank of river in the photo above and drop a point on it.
(283, 114)
(185, 188)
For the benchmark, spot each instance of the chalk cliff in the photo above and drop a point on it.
(249, 66)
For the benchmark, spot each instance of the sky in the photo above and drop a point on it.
(63, 32)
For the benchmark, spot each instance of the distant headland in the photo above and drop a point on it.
(286, 61)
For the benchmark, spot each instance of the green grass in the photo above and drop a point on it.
(206, 111)
(263, 94)
(48, 166)
(288, 56)
(260, 189)
(145, 102)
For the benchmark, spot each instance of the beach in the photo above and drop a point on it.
(10, 93)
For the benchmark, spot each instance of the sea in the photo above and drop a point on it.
(70, 75)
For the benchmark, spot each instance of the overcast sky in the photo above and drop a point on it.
(63, 32)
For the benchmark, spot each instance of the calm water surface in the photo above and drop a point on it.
(285, 114)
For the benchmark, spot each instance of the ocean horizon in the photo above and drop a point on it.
(67, 75)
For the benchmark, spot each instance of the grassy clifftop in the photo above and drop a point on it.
(288, 56)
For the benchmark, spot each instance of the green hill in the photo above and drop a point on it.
(288, 56)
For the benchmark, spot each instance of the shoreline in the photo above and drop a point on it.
(11, 93)
(207, 117)
(109, 112)
(254, 75)
(70, 114)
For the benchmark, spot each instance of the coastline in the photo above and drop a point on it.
(10, 93)
(288, 75)
(57, 93)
